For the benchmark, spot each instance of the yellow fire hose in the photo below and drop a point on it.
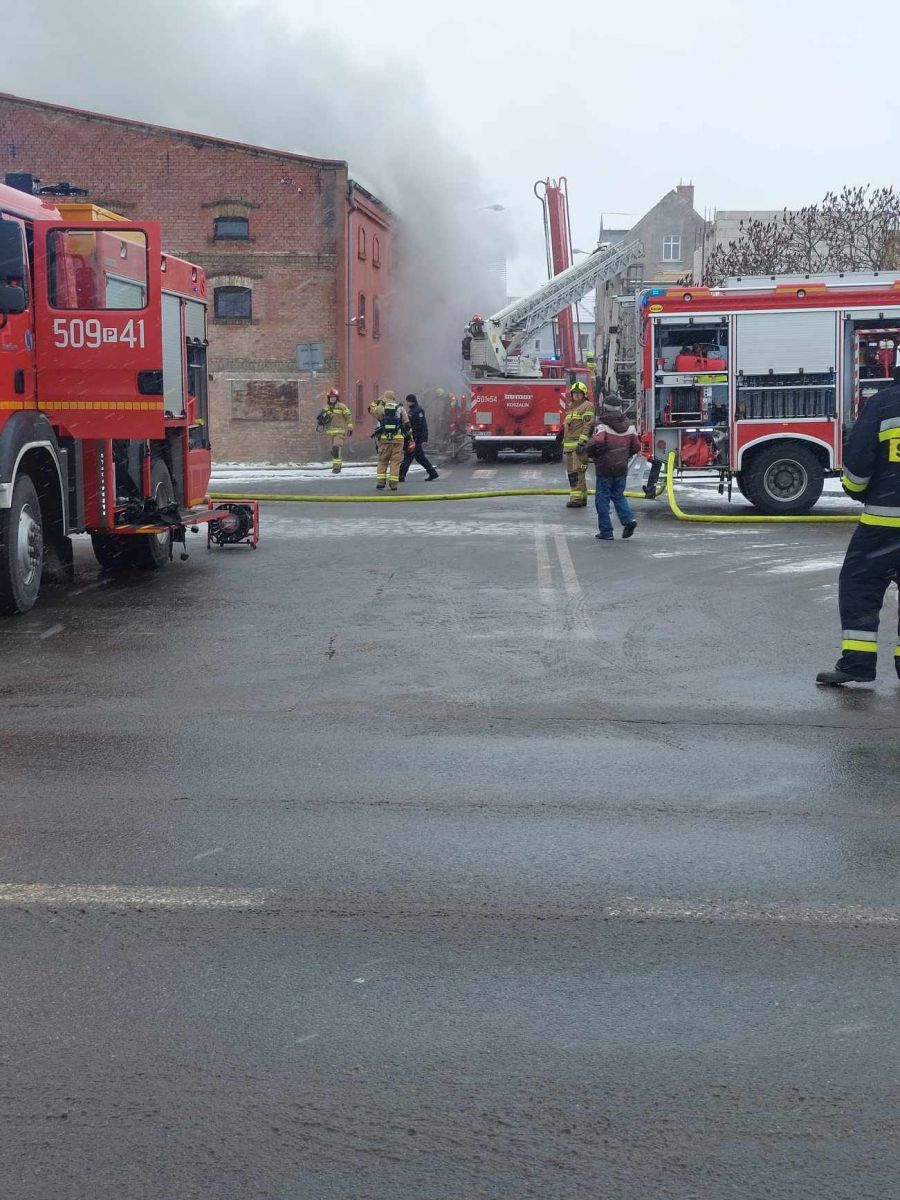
(399, 498)
(710, 518)
(403, 498)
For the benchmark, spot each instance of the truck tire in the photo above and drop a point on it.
(783, 479)
(120, 552)
(152, 550)
(486, 453)
(21, 548)
(113, 553)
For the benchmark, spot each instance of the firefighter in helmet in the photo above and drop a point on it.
(336, 420)
(871, 475)
(391, 433)
(577, 429)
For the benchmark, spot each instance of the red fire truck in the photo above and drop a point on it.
(757, 381)
(517, 398)
(103, 392)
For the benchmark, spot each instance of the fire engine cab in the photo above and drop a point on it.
(759, 380)
(103, 391)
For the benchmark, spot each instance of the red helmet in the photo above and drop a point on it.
(333, 392)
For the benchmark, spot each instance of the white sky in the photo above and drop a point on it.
(761, 103)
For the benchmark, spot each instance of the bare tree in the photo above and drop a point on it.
(856, 229)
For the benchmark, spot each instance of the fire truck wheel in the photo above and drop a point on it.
(112, 553)
(486, 453)
(21, 549)
(152, 550)
(783, 479)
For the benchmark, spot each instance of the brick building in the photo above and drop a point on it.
(299, 260)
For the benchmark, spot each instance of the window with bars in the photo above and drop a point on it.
(233, 303)
(231, 229)
(361, 313)
(361, 243)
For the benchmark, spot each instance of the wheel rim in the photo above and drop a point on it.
(785, 479)
(29, 545)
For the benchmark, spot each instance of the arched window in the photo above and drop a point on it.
(231, 228)
(361, 313)
(376, 252)
(361, 243)
(376, 317)
(233, 303)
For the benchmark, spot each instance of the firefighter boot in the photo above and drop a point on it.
(838, 678)
(336, 463)
(574, 500)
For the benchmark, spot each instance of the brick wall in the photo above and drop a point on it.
(294, 261)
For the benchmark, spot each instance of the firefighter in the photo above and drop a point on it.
(577, 429)
(392, 431)
(871, 475)
(336, 420)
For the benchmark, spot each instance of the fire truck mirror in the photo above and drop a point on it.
(12, 299)
(12, 256)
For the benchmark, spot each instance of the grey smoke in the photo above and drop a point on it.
(236, 73)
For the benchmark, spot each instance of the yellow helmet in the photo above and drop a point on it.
(578, 386)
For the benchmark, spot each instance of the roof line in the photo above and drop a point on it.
(150, 127)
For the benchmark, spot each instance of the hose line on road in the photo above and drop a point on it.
(401, 498)
(729, 519)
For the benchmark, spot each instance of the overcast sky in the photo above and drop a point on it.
(761, 103)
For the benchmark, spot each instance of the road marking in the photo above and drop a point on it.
(51, 895)
(207, 853)
(51, 632)
(581, 627)
(623, 908)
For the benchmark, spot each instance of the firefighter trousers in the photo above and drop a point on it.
(576, 471)
(871, 564)
(337, 451)
(390, 455)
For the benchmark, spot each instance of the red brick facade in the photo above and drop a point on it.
(286, 227)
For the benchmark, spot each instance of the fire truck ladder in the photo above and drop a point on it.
(497, 347)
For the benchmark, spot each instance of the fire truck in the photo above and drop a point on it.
(517, 398)
(758, 381)
(103, 392)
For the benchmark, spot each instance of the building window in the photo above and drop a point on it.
(233, 303)
(537, 343)
(671, 249)
(361, 243)
(361, 313)
(376, 317)
(584, 341)
(231, 229)
(376, 252)
(360, 400)
(635, 274)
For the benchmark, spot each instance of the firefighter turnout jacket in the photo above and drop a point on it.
(872, 461)
(336, 418)
(392, 418)
(578, 425)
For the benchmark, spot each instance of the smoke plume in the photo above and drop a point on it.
(239, 73)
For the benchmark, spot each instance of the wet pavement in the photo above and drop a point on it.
(439, 851)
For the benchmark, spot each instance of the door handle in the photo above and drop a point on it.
(19, 382)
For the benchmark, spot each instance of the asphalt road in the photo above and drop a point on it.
(438, 851)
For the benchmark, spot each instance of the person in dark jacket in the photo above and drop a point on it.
(420, 436)
(871, 475)
(614, 444)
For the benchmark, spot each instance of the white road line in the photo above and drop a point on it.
(63, 895)
(551, 615)
(545, 579)
(51, 632)
(207, 853)
(581, 626)
(623, 908)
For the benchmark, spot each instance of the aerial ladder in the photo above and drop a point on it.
(498, 346)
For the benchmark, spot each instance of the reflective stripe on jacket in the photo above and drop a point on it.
(872, 460)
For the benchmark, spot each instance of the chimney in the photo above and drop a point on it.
(686, 192)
